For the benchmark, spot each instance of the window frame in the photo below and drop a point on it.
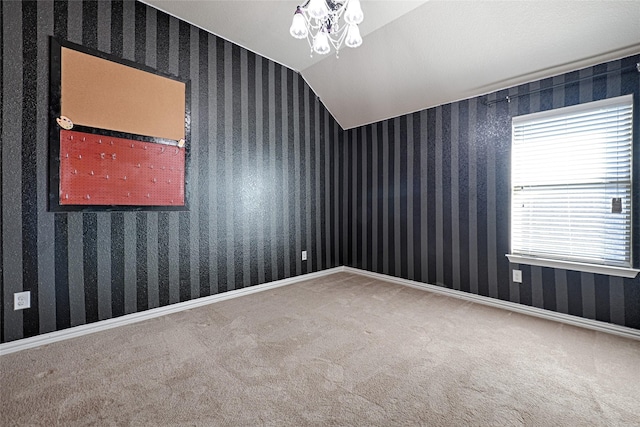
(516, 258)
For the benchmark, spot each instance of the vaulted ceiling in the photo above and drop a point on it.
(419, 54)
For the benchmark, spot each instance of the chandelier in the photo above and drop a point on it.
(318, 22)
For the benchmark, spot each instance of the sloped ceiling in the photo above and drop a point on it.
(419, 54)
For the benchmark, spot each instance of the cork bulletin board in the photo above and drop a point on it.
(119, 134)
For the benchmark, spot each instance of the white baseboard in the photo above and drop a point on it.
(582, 322)
(102, 325)
(51, 337)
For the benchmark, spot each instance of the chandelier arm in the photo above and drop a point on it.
(339, 9)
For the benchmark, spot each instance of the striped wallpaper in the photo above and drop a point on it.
(262, 184)
(423, 196)
(427, 198)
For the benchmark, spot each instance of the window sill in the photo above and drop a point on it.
(572, 265)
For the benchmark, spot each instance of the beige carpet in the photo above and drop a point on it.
(338, 350)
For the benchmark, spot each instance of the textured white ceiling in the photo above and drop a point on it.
(419, 54)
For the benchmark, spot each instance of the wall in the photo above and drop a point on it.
(427, 198)
(262, 186)
(423, 196)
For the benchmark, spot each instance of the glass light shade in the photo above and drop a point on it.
(353, 38)
(353, 14)
(321, 43)
(317, 9)
(298, 26)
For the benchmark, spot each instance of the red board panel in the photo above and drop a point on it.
(98, 170)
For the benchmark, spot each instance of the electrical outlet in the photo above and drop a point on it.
(517, 276)
(304, 255)
(21, 300)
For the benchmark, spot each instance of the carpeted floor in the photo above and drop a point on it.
(337, 350)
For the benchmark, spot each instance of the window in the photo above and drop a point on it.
(571, 187)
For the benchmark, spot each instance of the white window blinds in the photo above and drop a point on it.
(571, 183)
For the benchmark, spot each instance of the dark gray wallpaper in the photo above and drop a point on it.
(424, 196)
(262, 185)
(427, 198)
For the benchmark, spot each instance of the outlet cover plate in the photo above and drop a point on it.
(21, 300)
(304, 255)
(517, 276)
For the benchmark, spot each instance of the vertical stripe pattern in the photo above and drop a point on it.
(259, 157)
(458, 190)
(423, 196)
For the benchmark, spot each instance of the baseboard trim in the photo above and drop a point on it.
(103, 325)
(127, 319)
(595, 325)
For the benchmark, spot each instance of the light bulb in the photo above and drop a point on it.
(353, 38)
(353, 14)
(321, 43)
(317, 9)
(298, 26)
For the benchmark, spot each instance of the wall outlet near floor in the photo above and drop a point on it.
(21, 300)
(517, 276)
(304, 255)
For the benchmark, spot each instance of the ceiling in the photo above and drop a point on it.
(420, 54)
